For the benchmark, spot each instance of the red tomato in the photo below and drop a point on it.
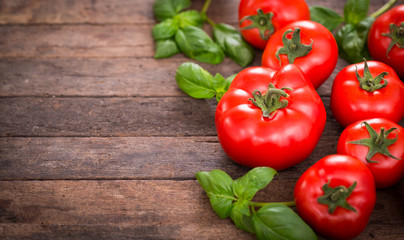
(379, 143)
(312, 48)
(275, 14)
(382, 47)
(253, 136)
(350, 102)
(336, 196)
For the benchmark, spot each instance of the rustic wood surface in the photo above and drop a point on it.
(98, 142)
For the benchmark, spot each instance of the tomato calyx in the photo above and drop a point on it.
(367, 82)
(377, 143)
(270, 101)
(336, 197)
(262, 21)
(293, 47)
(397, 36)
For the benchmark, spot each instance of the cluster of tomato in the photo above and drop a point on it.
(273, 116)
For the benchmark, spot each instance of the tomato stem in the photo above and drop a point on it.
(293, 48)
(377, 142)
(270, 101)
(336, 197)
(384, 8)
(262, 21)
(368, 82)
(397, 36)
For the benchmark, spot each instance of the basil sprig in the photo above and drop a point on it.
(232, 198)
(199, 83)
(352, 36)
(180, 30)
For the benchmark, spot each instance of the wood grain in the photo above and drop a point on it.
(170, 116)
(97, 76)
(122, 11)
(144, 209)
(127, 158)
(98, 142)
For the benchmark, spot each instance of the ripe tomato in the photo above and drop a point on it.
(379, 143)
(336, 196)
(367, 90)
(386, 39)
(259, 19)
(307, 44)
(277, 125)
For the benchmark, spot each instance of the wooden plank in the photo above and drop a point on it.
(146, 210)
(149, 116)
(108, 77)
(121, 11)
(128, 158)
(98, 12)
(98, 76)
(171, 116)
(119, 209)
(77, 41)
(85, 40)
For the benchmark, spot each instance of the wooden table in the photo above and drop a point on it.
(98, 142)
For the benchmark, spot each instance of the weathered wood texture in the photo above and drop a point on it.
(97, 77)
(98, 142)
(145, 210)
(119, 12)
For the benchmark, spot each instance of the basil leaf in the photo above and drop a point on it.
(166, 48)
(164, 9)
(276, 221)
(189, 18)
(221, 85)
(233, 44)
(256, 179)
(352, 41)
(196, 44)
(241, 216)
(195, 81)
(355, 11)
(165, 29)
(229, 80)
(218, 186)
(325, 16)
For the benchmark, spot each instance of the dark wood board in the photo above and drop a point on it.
(98, 142)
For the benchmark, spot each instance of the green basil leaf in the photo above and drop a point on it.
(229, 80)
(196, 44)
(256, 179)
(165, 29)
(233, 44)
(355, 11)
(218, 186)
(189, 18)
(325, 16)
(276, 221)
(195, 81)
(164, 9)
(241, 216)
(352, 41)
(166, 48)
(219, 84)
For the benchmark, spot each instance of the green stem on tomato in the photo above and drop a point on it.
(261, 204)
(205, 6)
(384, 8)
